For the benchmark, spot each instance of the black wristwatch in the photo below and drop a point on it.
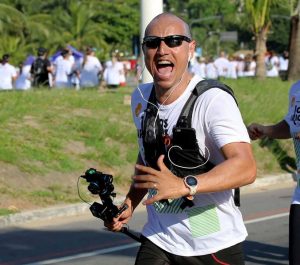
(191, 182)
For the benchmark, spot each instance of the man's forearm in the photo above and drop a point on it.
(134, 197)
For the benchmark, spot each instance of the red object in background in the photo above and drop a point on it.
(133, 64)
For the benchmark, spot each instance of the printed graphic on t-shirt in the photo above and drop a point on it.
(295, 129)
(203, 220)
(295, 108)
(170, 206)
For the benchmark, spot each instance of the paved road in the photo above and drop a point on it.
(82, 239)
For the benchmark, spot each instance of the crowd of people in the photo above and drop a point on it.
(240, 65)
(63, 70)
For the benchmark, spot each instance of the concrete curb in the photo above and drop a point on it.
(83, 208)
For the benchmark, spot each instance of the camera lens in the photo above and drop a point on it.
(94, 188)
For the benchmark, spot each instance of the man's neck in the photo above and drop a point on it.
(167, 96)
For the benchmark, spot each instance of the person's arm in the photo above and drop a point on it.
(50, 67)
(280, 130)
(134, 195)
(238, 169)
(132, 199)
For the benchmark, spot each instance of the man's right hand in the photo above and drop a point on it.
(117, 223)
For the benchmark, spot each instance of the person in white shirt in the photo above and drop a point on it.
(249, 66)
(62, 71)
(272, 64)
(232, 68)
(113, 73)
(70, 57)
(23, 81)
(91, 69)
(240, 65)
(8, 74)
(211, 69)
(222, 64)
(199, 67)
(284, 65)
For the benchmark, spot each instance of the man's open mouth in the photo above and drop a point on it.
(164, 67)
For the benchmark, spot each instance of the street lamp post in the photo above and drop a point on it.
(149, 9)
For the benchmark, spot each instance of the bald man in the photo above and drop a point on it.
(188, 173)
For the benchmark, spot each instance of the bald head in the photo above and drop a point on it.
(170, 19)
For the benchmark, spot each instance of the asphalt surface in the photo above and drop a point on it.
(266, 182)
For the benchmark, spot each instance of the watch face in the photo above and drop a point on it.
(191, 181)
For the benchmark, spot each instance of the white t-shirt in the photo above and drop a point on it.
(211, 71)
(90, 72)
(63, 69)
(199, 69)
(232, 70)
(273, 69)
(60, 57)
(222, 65)
(293, 120)
(251, 71)
(214, 222)
(23, 81)
(7, 73)
(283, 63)
(113, 73)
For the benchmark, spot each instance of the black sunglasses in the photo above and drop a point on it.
(172, 41)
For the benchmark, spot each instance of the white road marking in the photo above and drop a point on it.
(133, 245)
(85, 255)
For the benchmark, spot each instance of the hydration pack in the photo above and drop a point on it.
(182, 153)
(38, 66)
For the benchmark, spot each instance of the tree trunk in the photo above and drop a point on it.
(294, 51)
(260, 52)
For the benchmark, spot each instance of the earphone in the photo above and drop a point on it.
(190, 56)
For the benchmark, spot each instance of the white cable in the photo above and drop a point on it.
(158, 108)
(188, 167)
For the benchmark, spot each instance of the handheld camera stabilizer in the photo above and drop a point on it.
(102, 184)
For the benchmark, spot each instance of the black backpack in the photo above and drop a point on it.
(186, 160)
(38, 67)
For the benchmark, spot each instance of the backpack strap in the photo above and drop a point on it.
(152, 132)
(185, 118)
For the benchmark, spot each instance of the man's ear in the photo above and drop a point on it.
(192, 47)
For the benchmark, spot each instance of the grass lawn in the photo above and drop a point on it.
(50, 137)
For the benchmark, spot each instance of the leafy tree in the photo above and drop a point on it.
(259, 16)
(294, 66)
(119, 22)
(107, 25)
(11, 29)
(207, 20)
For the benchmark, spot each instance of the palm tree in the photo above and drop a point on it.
(294, 66)
(12, 24)
(259, 13)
